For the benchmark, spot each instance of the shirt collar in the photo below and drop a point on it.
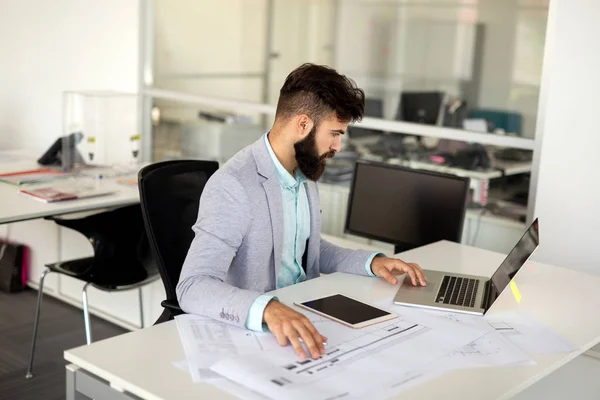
(286, 180)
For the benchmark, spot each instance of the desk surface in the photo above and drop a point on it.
(15, 207)
(126, 362)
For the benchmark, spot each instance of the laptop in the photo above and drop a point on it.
(470, 294)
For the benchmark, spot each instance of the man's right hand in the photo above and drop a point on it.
(289, 325)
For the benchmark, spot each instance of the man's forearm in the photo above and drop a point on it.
(210, 297)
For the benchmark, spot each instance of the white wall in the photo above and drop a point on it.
(568, 138)
(51, 46)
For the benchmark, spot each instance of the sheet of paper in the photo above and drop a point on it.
(456, 322)
(206, 341)
(357, 364)
(491, 349)
(225, 384)
(528, 334)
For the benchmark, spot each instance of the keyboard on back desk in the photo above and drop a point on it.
(457, 291)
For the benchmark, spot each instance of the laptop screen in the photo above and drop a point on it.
(514, 261)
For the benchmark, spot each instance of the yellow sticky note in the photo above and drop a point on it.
(515, 291)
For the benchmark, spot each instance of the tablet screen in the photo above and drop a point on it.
(346, 309)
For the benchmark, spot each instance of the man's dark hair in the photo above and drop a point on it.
(317, 91)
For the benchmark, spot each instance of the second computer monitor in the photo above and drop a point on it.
(406, 207)
(373, 108)
(420, 107)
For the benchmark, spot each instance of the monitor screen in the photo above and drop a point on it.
(373, 108)
(420, 107)
(515, 260)
(406, 207)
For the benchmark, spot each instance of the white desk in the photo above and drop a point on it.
(14, 207)
(21, 220)
(140, 363)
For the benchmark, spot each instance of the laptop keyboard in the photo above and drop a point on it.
(457, 291)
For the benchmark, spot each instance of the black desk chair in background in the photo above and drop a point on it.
(169, 195)
(121, 260)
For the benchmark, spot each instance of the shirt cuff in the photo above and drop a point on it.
(255, 315)
(370, 260)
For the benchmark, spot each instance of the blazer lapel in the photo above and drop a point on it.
(314, 240)
(265, 168)
(273, 191)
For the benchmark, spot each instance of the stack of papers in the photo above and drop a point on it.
(33, 176)
(379, 361)
(71, 190)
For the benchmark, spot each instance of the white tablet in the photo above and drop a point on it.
(347, 311)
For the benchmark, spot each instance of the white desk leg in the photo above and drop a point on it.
(82, 385)
(71, 389)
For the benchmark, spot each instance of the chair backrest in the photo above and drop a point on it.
(119, 241)
(169, 195)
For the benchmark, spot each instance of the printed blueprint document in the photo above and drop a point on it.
(529, 335)
(226, 385)
(206, 341)
(491, 349)
(358, 363)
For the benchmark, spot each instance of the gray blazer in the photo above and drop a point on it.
(236, 252)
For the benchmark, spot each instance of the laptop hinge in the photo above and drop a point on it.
(486, 295)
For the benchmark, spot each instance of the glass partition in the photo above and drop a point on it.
(463, 64)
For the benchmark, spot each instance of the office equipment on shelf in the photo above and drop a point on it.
(215, 141)
(373, 108)
(454, 112)
(506, 121)
(224, 117)
(339, 170)
(470, 294)
(33, 176)
(169, 196)
(510, 154)
(472, 156)
(406, 207)
(475, 125)
(63, 152)
(420, 107)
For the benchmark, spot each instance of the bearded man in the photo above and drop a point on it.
(259, 218)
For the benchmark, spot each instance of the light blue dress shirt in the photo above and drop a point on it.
(296, 231)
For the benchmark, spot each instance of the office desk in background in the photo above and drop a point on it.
(15, 207)
(123, 367)
(21, 220)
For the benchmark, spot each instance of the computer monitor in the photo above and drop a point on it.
(420, 107)
(406, 207)
(373, 108)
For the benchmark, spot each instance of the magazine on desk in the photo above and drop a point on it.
(70, 191)
(33, 176)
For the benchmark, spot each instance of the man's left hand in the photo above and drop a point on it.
(386, 268)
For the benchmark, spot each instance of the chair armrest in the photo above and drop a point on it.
(172, 306)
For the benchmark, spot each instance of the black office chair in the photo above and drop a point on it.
(169, 194)
(121, 261)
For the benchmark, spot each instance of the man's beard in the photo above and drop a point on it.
(310, 163)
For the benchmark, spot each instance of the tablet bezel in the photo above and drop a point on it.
(359, 325)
